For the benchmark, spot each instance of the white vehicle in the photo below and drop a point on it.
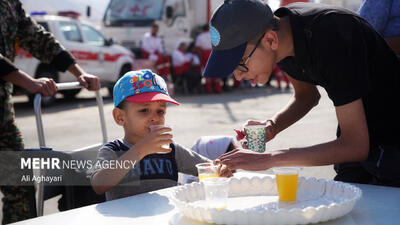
(127, 20)
(353, 5)
(94, 53)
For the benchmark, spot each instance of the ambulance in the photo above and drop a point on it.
(93, 52)
(126, 21)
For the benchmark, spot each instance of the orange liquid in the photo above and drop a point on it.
(287, 186)
(207, 175)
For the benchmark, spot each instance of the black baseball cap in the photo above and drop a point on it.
(232, 26)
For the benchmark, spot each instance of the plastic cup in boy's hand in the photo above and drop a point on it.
(157, 127)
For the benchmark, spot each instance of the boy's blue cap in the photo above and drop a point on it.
(141, 86)
(232, 26)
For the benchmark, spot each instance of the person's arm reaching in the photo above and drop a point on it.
(105, 179)
(45, 86)
(9, 73)
(305, 97)
(352, 145)
(187, 159)
(42, 45)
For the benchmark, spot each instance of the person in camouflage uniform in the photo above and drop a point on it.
(19, 30)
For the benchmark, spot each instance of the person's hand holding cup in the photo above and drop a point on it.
(166, 131)
(255, 135)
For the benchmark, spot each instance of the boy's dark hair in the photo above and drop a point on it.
(121, 105)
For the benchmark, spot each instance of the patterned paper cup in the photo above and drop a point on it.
(255, 136)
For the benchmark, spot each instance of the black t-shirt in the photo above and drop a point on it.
(341, 52)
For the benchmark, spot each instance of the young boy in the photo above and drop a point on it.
(138, 163)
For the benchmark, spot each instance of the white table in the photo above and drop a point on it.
(378, 205)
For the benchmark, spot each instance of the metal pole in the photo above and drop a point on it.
(39, 125)
(99, 100)
(38, 115)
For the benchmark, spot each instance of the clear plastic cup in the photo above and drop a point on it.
(255, 136)
(157, 127)
(207, 170)
(286, 181)
(216, 191)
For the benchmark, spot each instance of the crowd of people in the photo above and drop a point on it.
(184, 67)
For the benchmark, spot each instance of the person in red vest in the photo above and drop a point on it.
(203, 42)
(287, 2)
(183, 69)
(153, 49)
(180, 62)
(279, 74)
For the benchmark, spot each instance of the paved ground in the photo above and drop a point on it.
(74, 123)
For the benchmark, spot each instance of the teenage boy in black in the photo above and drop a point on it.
(316, 45)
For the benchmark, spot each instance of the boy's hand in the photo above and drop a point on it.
(153, 142)
(223, 170)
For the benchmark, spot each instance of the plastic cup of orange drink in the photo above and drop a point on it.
(207, 170)
(286, 181)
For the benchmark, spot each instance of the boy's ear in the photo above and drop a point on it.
(119, 116)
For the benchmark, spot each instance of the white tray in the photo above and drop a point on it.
(255, 201)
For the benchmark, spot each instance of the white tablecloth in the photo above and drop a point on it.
(378, 205)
